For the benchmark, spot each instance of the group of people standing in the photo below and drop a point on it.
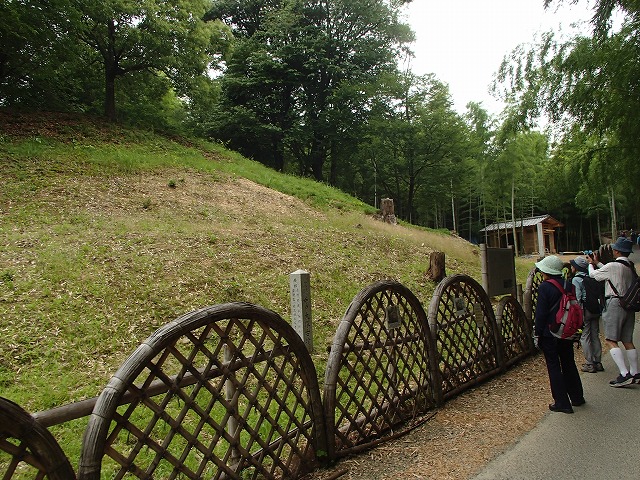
(632, 234)
(618, 323)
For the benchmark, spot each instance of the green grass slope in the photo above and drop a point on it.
(106, 234)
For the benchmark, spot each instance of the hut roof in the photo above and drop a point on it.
(547, 220)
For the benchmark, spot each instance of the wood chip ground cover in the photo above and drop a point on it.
(463, 435)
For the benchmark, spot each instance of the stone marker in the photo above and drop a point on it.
(301, 306)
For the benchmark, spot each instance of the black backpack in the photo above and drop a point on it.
(594, 294)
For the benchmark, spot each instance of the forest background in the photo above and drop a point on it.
(315, 88)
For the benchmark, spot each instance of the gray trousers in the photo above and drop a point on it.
(590, 339)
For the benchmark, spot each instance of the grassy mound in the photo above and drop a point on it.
(107, 233)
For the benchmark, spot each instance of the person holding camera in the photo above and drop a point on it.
(618, 322)
(588, 294)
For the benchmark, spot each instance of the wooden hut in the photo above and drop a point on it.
(536, 235)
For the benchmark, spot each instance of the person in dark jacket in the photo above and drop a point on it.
(564, 379)
(590, 338)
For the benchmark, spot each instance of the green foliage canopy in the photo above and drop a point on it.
(299, 71)
(78, 46)
(589, 88)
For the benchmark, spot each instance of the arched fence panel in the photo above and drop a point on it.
(224, 392)
(27, 449)
(230, 391)
(380, 371)
(467, 339)
(516, 330)
(534, 279)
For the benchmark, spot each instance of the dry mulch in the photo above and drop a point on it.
(463, 435)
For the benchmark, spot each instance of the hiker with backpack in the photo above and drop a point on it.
(618, 322)
(590, 294)
(564, 378)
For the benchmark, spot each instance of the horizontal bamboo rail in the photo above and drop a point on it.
(83, 408)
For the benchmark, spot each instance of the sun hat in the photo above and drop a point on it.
(550, 265)
(580, 263)
(623, 244)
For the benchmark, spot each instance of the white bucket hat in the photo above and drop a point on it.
(550, 265)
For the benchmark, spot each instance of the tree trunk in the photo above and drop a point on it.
(470, 215)
(110, 72)
(411, 192)
(513, 217)
(110, 96)
(437, 269)
(333, 164)
(278, 154)
(453, 210)
(614, 223)
(278, 160)
(483, 214)
(318, 154)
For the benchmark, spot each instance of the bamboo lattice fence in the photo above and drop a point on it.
(231, 392)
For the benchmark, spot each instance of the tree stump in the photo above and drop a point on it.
(437, 269)
(388, 211)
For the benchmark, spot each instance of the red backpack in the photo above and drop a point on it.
(569, 319)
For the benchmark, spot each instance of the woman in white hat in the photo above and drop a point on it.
(564, 379)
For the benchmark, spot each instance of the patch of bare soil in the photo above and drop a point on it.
(194, 194)
(463, 435)
(55, 125)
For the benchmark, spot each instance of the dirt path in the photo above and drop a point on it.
(464, 435)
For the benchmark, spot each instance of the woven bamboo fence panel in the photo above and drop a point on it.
(467, 338)
(516, 330)
(28, 450)
(380, 369)
(230, 391)
(534, 279)
(225, 392)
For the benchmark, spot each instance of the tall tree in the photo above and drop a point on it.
(318, 57)
(419, 148)
(165, 38)
(481, 132)
(592, 82)
(34, 41)
(65, 53)
(518, 164)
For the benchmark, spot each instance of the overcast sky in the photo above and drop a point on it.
(464, 41)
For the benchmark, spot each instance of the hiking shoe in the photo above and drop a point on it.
(588, 367)
(554, 408)
(599, 367)
(622, 381)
